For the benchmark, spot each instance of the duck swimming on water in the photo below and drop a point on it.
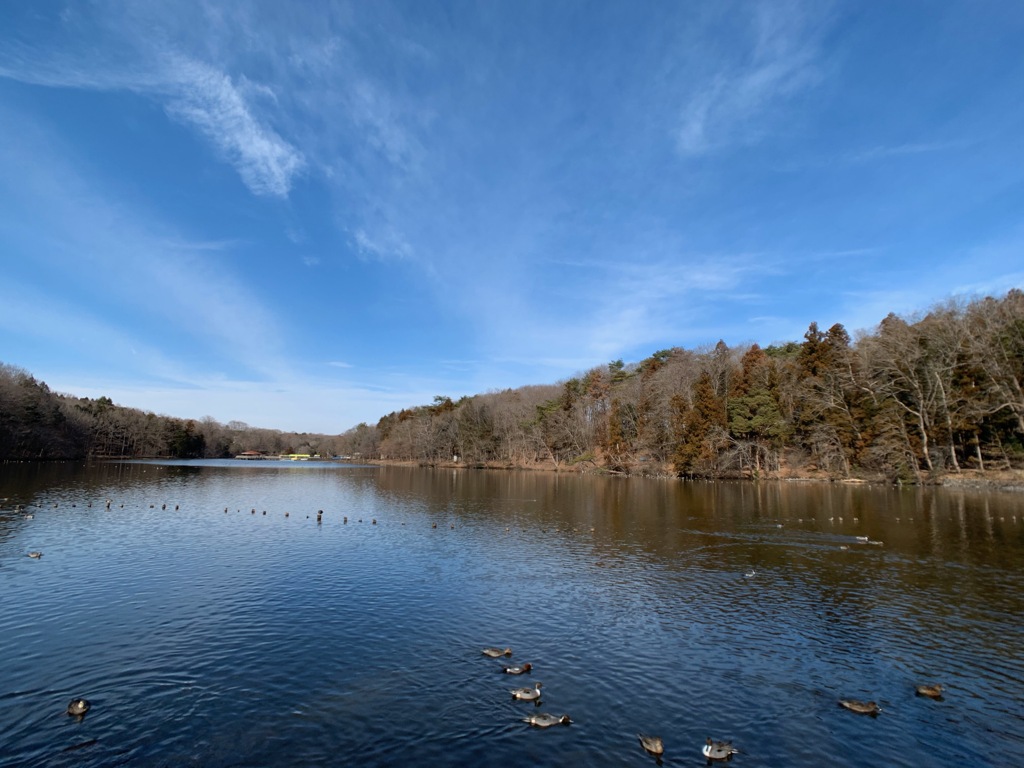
(518, 670)
(861, 707)
(496, 652)
(527, 694)
(78, 707)
(931, 691)
(653, 744)
(719, 750)
(544, 720)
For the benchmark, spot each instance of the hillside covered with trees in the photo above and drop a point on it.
(915, 399)
(37, 424)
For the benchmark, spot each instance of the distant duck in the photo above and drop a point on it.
(544, 720)
(861, 707)
(518, 670)
(931, 691)
(527, 694)
(653, 744)
(496, 652)
(750, 574)
(719, 750)
(78, 707)
(35, 555)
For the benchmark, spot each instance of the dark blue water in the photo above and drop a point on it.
(230, 638)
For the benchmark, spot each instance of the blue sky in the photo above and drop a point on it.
(307, 215)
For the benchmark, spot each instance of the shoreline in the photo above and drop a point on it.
(969, 479)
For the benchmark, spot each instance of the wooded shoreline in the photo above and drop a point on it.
(990, 480)
(925, 400)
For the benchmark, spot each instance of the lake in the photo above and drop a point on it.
(211, 620)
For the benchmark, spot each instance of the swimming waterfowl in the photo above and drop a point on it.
(719, 750)
(527, 694)
(861, 707)
(518, 670)
(544, 720)
(931, 691)
(496, 652)
(653, 744)
(35, 555)
(78, 707)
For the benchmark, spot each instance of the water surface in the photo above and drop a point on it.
(211, 620)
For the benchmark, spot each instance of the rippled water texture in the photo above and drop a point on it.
(211, 620)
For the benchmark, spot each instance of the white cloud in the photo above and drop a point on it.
(898, 150)
(731, 106)
(210, 101)
(386, 243)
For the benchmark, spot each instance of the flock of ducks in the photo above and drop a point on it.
(871, 708)
(541, 720)
(653, 745)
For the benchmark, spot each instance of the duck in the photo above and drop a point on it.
(527, 694)
(653, 744)
(544, 720)
(518, 670)
(78, 707)
(35, 555)
(496, 652)
(719, 750)
(861, 707)
(931, 691)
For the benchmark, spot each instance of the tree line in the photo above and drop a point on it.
(37, 424)
(916, 397)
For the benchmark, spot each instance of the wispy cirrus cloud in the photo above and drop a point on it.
(883, 152)
(206, 98)
(231, 114)
(385, 243)
(729, 105)
(138, 263)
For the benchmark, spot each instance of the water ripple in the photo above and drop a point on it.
(230, 638)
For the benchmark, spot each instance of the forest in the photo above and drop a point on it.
(911, 400)
(39, 425)
(915, 399)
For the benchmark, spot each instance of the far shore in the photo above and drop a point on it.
(972, 479)
(967, 479)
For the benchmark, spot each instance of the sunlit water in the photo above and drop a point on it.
(206, 634)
